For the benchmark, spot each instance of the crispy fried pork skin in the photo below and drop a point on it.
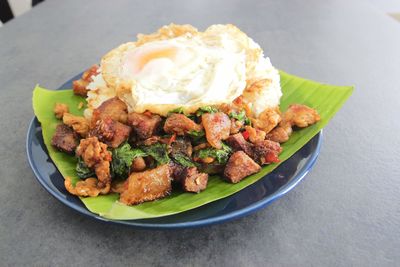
(266, 152)
(96, 156)
(86, 188)
(144, 125)
(239, 166)
(111, 132)
(180, 124)
(60, 109)
(113, 108)
(147, 186)
(296, 115)
(65, 139)
(79, 124)
(238, 143)
(217, 127)
(79, 86)
(192, 180)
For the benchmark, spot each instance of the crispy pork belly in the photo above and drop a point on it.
(217, 127)
(111, 132)
(238, 143)
(239, 166)
(79, 86)
(113, 108)
(180, 124)
(147, 186)
(65, 139)
(192, 180)
(266, 152)
(144, 125)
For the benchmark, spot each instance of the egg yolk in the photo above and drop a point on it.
(139, 59)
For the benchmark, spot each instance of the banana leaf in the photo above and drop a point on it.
(327, 99)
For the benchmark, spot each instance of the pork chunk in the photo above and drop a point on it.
(238, 143)
(147, 186)
(79, 86)
(144, 125)
(113, 108)
(192, 180)
(65, 139)
(266, 152)
(180, 124)
(217, 127)
(111, 132)
(239, 166)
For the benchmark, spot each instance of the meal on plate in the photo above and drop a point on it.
(173, 108)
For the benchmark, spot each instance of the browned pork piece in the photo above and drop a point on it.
(296, 115)
(60, 109)
(96, 156)
(238, 143)
(79, 124)
(266, 152)
(144, 125)
(111, 132)
(79, 86)
(239, 166)
(147, 186)
(180, 124)
(217, 127)
(65, 139)
(113, 108)
(192, 180)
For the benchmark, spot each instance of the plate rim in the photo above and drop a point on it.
(191, 224)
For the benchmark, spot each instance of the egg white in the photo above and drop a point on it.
(190, 69)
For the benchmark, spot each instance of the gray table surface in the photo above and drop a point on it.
(345, 213)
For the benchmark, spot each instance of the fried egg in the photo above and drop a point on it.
(179, 66)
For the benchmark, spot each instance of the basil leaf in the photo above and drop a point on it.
(82, 170)
(206, 109)
(122, 158)
(158, 151)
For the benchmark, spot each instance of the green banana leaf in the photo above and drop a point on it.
(327, 99)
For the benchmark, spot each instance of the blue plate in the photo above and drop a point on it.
(246, 201)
